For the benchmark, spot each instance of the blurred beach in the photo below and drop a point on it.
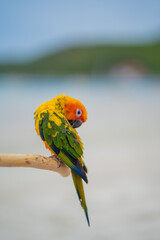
(122, 152)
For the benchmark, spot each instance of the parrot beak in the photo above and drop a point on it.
(75, 123)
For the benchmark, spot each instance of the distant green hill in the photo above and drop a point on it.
(98, 59)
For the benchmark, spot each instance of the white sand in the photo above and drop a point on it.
(122, 152)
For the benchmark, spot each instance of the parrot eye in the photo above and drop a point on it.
(78, 112)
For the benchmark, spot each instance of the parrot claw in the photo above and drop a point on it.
(58, 160)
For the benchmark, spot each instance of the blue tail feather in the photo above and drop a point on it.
(86, 213)
(77, 167)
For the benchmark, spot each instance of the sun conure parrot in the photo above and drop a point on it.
(55, 122)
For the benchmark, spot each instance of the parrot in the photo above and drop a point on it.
(55, 123)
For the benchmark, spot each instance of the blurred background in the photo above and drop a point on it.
(106, 54)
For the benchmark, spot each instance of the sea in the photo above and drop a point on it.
(121, 150)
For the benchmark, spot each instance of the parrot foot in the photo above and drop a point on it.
(57, 159)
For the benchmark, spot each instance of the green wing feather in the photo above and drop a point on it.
(63, 141)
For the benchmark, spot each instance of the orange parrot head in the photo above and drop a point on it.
(75, 112)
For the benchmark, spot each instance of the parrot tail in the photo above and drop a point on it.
(80, 192)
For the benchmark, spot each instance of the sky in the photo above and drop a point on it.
(29, 28)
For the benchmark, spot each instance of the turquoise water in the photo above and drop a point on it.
(121, 139)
